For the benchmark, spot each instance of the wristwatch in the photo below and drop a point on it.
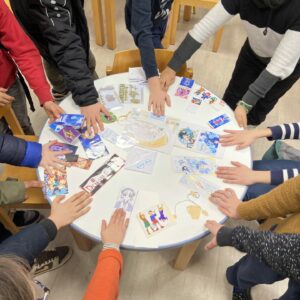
(245, 105)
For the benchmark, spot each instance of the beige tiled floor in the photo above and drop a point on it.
(150, 275)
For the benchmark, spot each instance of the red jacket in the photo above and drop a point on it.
(21, 52)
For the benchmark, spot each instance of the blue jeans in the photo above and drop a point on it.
(249, 271)
(255, 190)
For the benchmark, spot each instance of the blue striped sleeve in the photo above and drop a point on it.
(285, 131)
(279, 176)
(33, 155)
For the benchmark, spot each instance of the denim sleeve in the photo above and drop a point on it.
(30, 242)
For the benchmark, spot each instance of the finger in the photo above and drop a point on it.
(77, 195)
(237, 164)
(232, 131)
(232, 181)
(94, 124)
(105, 110)
(81, 198)
(119, 215)
(82, 212)
(3, 90)
(114, 217)
(37, 184)
(225, 211)
(83, 204)
(126, 223)
(88, 126)
(58, 199)
(168, 100)
(99, 122)
(231, 191)
(48, 169)
(209, 246)
(103, 226)
(121, 218)
(241, 146)
(7, 98)
(162, 108)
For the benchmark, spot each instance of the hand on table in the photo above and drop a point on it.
(92, 116)
(227, 202)
(241, 116)
(214, 228)
(33, 184)
(5, 98)
(158, 97)
(50, 158)
(64, 213)
(52, 110)
(114, 231)
(239, 138)
(167, 77)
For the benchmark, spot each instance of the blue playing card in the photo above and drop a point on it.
(187, 82)
(219, 121)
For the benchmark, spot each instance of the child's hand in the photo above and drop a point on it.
(241, 116)
(114, 231)
(5, 98)
(167, 77)
(52, 110)
(227, 202)
(64, 213)
(33, 184)
(158, 98)
(214, 228)
(50, 158)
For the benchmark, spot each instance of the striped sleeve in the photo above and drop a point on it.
(285, 131)
(279, 176)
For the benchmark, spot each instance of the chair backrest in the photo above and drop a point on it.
(8, 114)
(131, 58)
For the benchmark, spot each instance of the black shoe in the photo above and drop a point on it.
(241, 294)
(50, 260)
(24, 218)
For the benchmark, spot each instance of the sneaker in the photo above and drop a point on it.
(51, 259)
(59, 96)
(238, 294)
(24, 218)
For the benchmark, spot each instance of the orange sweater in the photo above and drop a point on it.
(104, 284)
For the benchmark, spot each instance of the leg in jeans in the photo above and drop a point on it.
(249, 271)
(158, 33)
(20, 107)
(255, 190)
(246, 70)
(293, 291)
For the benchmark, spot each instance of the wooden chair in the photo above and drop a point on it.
(174, 17)
(131, 58)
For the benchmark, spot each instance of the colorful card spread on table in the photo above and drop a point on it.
(109, 97)
(141, 160)
(55, 183)
(131, 94)
(219, 121)
(155, 219)
(66, 132)
(81, 163)
(74, 120)
(187, 164)
(196, 183)
(126, 200)
(103, 174)
(92, 145)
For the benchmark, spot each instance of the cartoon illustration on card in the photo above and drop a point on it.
(66, 132)
(196, 101)
(126, 200)
(109, 97)
(155, 219)
(208, 143)
(74, 120)
(55, 182)
(187, 137)
(187, 82)
(63, 147)
(81, 163)
(182, 92)
(199, 91)
(219, 121)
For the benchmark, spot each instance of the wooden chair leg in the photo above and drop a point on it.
(110, 15)
(187, 13)
(82, 242)
(7, 222)
(98, 22)
(217, 41)
(185, 254)
(173, 22)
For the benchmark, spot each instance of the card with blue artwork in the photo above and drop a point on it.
(187, 82)
(74, 120)
(219, 121)
(93, 145)
(208, 143)
(63, 146)
(66, 132)
(141, 160)
(126, 200)
(186, 135)
(55, 182)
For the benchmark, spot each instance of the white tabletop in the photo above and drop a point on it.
(160, 186)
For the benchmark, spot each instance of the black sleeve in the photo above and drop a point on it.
(279, 251)
(65, 47)
(141, 30)
(12, 150)
(232, 6)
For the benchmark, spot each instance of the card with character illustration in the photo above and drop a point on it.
(55, 182)
(126, 200)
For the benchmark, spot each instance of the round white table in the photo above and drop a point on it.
(160, 186)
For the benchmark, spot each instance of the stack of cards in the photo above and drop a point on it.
(131, 94)
(92, 145)
(137, 76)
(103, 174)
(126, 200)
(55, 182)
(184, 88)
(109, 98)
(155, 219)
(141, 160)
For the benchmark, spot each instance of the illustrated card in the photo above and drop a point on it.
(81, 163)
(155, 219)
(109, 97)
(187, 82)
(74, 120)
(208, 143)
(55, 183)
(186, 135)
(92, 145)
(182, 92)
(126, 200)
(66, 132)
(101, 176)
(71, 157)
(141, 160)
(180, 164)
(131, 93)
(219, 121)
(62, 147)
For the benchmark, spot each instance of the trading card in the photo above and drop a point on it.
(92, 145)
(180, 164)
(103, 174)
(55, 183)
(74, 120)
(199, 91)
(63, 146)
(131, 93)
(81, 163)
(187, 135)
(205, 95)
(187, 82)
(182, 92)
(208, 143)
(71, 157)
(155, 219)
(66, 132)
(196, 101)
(219, 121)
(109, 97)
(126, 200)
